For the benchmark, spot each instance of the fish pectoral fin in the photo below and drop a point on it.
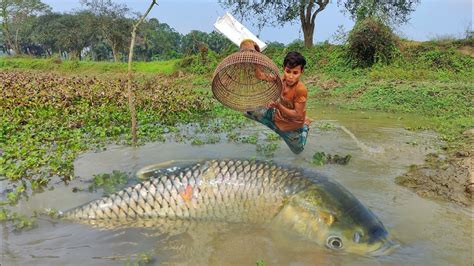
(327, 218)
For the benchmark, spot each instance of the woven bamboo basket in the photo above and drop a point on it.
(235, 83)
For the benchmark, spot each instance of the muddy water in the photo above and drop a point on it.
(430, 233)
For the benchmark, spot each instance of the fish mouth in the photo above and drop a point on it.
(387, 248)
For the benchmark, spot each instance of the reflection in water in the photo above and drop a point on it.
(429, 232)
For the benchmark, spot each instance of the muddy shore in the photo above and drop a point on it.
(444, 177)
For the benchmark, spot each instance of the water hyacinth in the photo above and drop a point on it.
(48, 118)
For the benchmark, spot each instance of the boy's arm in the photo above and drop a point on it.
(297, 113)
(299, 103)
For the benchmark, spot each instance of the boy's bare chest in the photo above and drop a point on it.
(287, 96)
(288, 93)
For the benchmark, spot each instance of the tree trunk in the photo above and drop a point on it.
(115, 52)
(307, 18)
(308, 32)
(16, 46)
(131, 103)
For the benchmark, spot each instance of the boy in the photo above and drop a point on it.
(287, 117)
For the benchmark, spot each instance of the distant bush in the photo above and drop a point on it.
(437, 55)
(198, 64)
(371, 42)
(296, 45)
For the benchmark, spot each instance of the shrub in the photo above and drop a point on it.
(197, 64)
(371, 42)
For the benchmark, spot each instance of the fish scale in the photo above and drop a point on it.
(220, 190)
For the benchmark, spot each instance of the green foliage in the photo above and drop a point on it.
(20, 222)
(14, 196)
(110, 183)
(429, 99)
(26, 63)
(141, 259)
(160, 41)
(196, 64)
(371, 42)
(321, 58)
(262, 13)
(3, 214)
(197, 141)
(271, 136)
(47, 119)
(252, 139)
(321, 158)
(326, 126)
(267, 149)
(394, 12)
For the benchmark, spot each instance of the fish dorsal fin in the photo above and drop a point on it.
(146, 171)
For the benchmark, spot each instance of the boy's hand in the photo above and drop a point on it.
(271, 77)
(272, 104)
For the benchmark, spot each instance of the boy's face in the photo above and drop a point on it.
(292, 75)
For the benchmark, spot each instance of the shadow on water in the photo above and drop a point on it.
(430, 232)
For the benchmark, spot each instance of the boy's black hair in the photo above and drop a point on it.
(294, 59)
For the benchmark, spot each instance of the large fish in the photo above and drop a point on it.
(319, 209)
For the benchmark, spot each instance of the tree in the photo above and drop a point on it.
(393, 12)
(47, 32)
(191, 42)
(157, 41)
(14, 14)
(112, 23)
(217, 42)
(280, 12)
(75, 33)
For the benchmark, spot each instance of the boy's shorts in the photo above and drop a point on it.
(295, 139)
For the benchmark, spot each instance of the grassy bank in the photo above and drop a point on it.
(89, 67)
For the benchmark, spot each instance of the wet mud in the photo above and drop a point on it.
(449, 179)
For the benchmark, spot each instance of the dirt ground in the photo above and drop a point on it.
(450, 179)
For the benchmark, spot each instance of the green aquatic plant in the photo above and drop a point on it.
(232, 136)
(321, 158)
(326, 126)
(271, 136)
(197, 141)
(47, 119)
(14, 196)
(252, 139)
(20, 222)
(141, 259)
(3, 214)
(212, 139)
(267, 149)
(110, 183)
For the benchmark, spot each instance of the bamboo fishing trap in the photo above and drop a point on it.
(236, 85)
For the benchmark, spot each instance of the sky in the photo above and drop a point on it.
(432, 18)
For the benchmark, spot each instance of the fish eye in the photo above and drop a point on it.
(334, 242)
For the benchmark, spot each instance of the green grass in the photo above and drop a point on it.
(89, 67)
